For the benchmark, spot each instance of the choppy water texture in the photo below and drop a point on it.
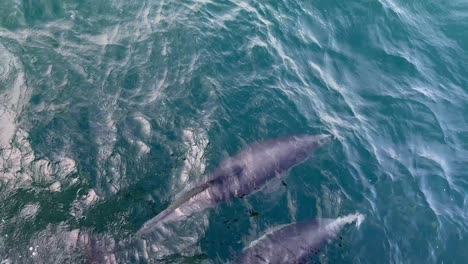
(108, 109)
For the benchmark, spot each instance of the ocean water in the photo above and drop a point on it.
(108, 109)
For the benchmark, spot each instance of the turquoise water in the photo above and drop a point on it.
(108, 109)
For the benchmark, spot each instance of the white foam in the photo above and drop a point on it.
(198, 4)
(307, 37)
(104, 39)
(159, 15)
(29, 211)
(55, 187)
(73, 238)
(337, 224)
(143, 149)
(13, 99)
(145, 126)
(292, 206)
(91, 198)
(196, 142)
(67, 166)
(256, 42)
(18, 163)
(105, 136)
(166, 49)
(155, 93)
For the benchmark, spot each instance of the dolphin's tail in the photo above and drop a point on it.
(159, 222)
(155, 223)
(171, 213)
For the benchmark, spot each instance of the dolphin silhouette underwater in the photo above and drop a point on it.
(239, 176)
(295, 243)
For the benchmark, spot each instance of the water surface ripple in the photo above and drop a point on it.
(108, 109)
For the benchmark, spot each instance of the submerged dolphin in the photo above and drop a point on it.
(296, 243)
(239, 176)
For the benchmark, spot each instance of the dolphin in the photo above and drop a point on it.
(239, 176)
(296, 243)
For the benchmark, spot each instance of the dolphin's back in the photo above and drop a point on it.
(295, 243)
(286, 244)
(263, 161)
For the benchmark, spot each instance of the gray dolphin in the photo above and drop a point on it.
(296, 243)
(239, 176)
